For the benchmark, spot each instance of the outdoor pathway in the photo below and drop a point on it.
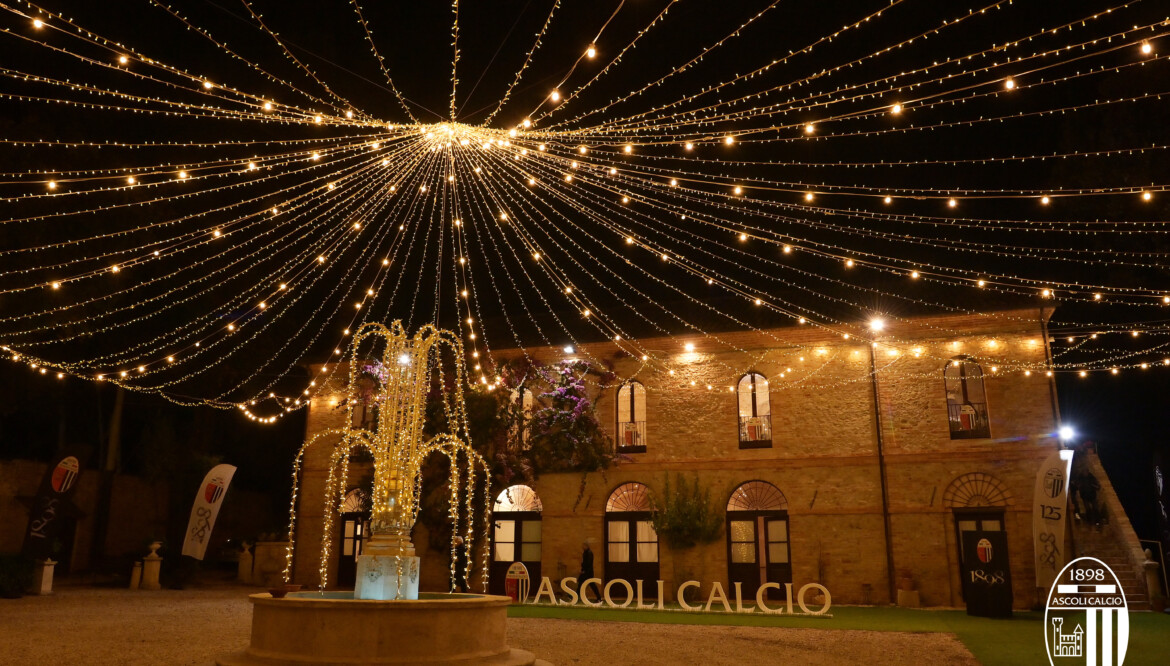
(91, 626)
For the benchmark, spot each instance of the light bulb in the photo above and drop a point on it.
(1147, 48)
(1009, 83)
(592, 51)
(809, 128)
(555, 96)
(896, 109)
(728, 140)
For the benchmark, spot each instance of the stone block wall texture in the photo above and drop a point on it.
(824, 456)
(138, 511)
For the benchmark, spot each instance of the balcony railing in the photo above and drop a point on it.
(755, 431)
(968, 420)
(631, 437)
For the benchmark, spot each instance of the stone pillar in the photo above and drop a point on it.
(268, 563)
(43, 577)
(244, 568)
(387, 569)
(136, 576)
(151, 566)
(1153, 584)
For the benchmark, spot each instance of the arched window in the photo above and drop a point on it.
(631, 417)
(978, 502)
(525, 402)
(755, 412)
(631, 544)
(966, 399)
(355, 529)
(516, 534)
(757, 538)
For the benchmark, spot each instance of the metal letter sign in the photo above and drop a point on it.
(1087, 618)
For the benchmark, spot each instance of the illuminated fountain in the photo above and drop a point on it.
(385, 620)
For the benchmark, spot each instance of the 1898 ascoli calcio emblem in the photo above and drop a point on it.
(1086, 620)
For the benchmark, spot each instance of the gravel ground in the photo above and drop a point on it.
(109, 626)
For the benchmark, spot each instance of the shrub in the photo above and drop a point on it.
(686, 517)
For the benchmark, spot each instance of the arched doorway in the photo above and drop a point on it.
(631, 544)
(977, 501)
(516, 535)
(355, 529)
(757, 539)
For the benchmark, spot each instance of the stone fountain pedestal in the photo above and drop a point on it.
(387, 569)
(334, 628)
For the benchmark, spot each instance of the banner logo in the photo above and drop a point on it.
(65, 475)
(1086, 620)
(1054, 482)
(205, 509)
(214, 490)
(984, 551)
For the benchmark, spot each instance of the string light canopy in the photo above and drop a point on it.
(177, 203)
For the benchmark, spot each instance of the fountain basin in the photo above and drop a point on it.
(334, 628)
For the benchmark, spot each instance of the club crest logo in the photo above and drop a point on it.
(65, 474)
(214, 490)
(517, 582)
(1054, 482)
(1086, 620)
(983, 549)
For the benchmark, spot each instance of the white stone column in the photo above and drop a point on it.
(151, 566)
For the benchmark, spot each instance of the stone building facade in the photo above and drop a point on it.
(841, 461)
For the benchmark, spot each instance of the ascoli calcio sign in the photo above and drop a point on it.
(632, 595)
(1086, 620)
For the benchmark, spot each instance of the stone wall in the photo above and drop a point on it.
(824, 456)
(138, 511)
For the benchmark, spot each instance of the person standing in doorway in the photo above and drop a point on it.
(460, 583)
(586, 567)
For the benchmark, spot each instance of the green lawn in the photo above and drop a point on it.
(994, 642)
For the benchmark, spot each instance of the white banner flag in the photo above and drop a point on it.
(1050, 515)
(207, 502)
